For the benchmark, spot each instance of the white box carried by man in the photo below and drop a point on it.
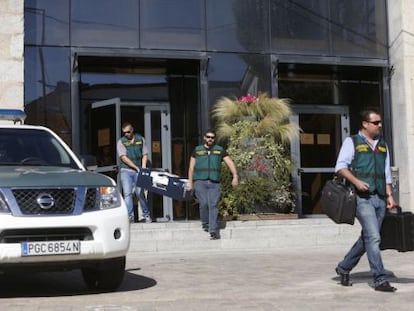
(161, 182)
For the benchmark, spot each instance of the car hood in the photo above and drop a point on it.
(50, 176)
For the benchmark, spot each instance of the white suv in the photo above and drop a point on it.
(56, 215)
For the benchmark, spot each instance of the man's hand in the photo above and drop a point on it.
(235, 180)
(361, 186)
(390, 201)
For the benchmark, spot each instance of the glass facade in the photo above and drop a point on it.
(46, 22)
(233, 25)
(238, 74)
(334, 28)
(190, 53)
(47, 100)
(300, 26)
(98, 23)
(177, 25)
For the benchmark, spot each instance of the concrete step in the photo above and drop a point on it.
(187, 236)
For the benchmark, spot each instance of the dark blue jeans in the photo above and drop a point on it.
(208, 195)
(129, 182)
(370, 214)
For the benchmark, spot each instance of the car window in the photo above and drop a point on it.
(32, 147)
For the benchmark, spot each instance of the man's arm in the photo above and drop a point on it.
(388, 179)
(345, 157)
(359, 184)
(144, 161)
(129, 162)
(232, 167)
(190, 173)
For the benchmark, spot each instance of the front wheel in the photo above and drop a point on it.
(107, 276)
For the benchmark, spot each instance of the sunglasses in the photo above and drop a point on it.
(126, 132)
(375, 122)
(210, 137)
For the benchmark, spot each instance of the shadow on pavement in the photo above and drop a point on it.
(55, 284)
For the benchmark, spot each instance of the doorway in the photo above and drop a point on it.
(314, 153)
(151, 120)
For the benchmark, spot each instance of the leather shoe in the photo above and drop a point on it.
(344, 277)
(214, 236)
(385, 287)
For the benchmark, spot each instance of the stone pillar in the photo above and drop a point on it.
(11, 54)
(401, 51)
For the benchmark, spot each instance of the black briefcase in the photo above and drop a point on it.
(338, 202)
(397, 231)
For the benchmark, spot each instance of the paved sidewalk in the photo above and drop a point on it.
(288, 279)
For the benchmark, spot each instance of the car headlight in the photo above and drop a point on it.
(4, 207)
(109, 197)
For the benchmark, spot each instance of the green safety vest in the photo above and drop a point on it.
(133, 149)
(369, 165)
(208, 163)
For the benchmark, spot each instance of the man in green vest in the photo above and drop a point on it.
(204, 177)
(133, 154)
(366, 165)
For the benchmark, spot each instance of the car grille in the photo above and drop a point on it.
(45, 234)
(91, 201)
(64, 200)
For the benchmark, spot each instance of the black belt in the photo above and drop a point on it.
(369, 193)
(209, 180)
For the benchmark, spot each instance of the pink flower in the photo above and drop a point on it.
(247, 99)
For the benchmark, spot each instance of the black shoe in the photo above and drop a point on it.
(344, 277)
(205, 227)
(385, 287)
(214, 236)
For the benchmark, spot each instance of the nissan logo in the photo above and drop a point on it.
(45, 201)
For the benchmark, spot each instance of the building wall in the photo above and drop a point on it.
(11, 53)
(401, 38)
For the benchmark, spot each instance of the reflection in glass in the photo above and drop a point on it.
(238, 74)
(234, 25)
(362, 31)
(170, 24)
(46, 22)
(47, 89)
(130, 79)
(353, 86)
(348, 28)
(105, 23)
(299, 26)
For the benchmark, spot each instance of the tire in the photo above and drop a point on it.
(107, 276)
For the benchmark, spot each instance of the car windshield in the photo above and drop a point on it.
(32, 147)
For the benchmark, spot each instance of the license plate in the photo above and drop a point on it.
(50, 248)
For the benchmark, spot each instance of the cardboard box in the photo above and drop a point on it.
(163, 183)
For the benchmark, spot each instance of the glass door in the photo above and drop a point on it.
(152, 120)
(314, 153)
(105, 118)
(158, 138)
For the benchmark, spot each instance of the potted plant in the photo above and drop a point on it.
(257, 132)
